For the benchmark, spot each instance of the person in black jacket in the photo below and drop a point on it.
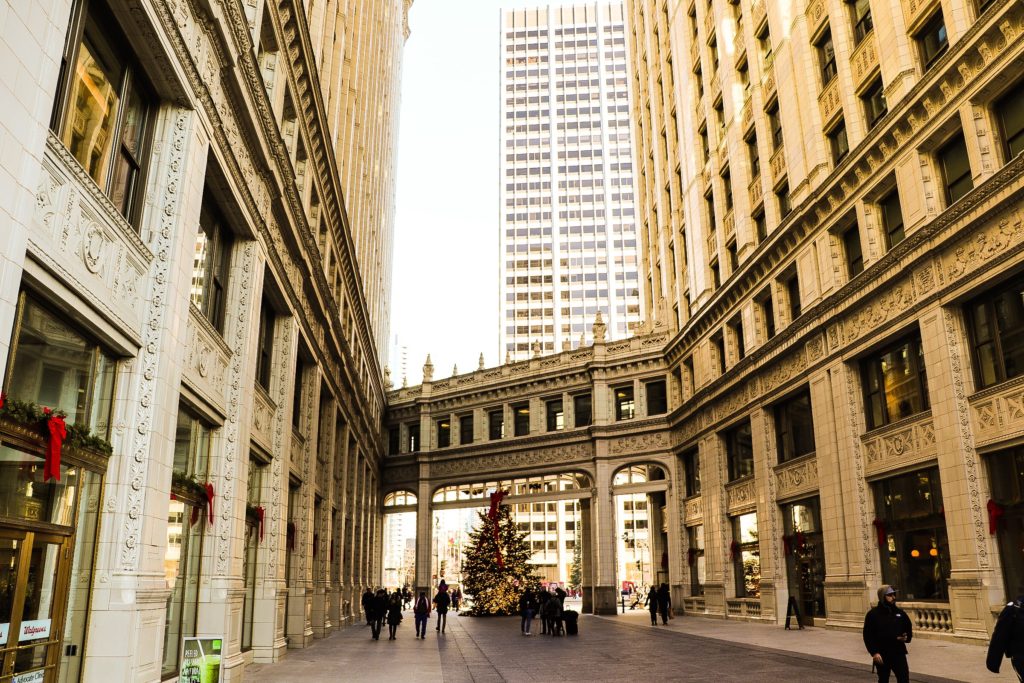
(368, 604)
(664, 602)
(394, 614)
(652, 604)
(378, 610)
(527, 609)
(887, 630)
(441, 602)
(1008, 639)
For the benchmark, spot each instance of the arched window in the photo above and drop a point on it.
(399, 499)
(637, 474)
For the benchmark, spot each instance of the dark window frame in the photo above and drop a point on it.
(791, 438)
(998, 317)
(873, 379)
(739, 450)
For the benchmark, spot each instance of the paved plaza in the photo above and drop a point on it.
(621, 648)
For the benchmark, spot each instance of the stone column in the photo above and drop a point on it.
(602, 538)
(323, 475)
(424, 533)
(717, 536)
(975, 583)
(773, 584)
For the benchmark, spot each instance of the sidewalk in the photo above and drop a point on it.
(929, 657)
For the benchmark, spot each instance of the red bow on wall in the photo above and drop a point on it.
(260, 514)
(995, 515)
(492, 515)
(209, 503)
(58, 432)
(880, 530)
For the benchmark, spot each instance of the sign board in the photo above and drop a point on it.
(34, 630)
(31, 677)
(200, 660)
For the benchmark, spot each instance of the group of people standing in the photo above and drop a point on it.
(659, 601)
(548, 606)
(381, 607)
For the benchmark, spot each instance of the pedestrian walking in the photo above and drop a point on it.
(1008, 639)
(652, 605)
(664, 602)
(542, 600)
(421, 612)
(887, 630)
(441, 602)
(378, 611)
(367, 604)
(456, 598)
(527, 608)
(552, 614)
(406, 597)
(394, 614)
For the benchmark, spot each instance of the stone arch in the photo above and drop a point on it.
(641, 471)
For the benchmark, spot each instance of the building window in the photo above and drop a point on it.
(695, 559)
(852, 250)
(826, 57)
(265, 344)
(956, 169)
(794, 426)
(444, 432)
(892, 218)
(792, 285)
(932, 40)
(767, 308)
(718, 351)
(657, 401)
(746, 556)
(184, 551)
(52, 364)
(862, 22)
(691, 471)
(496, 424)
(300, 371)
(521, 419)
(739, 451)
(254, 490)
(394, 440)
(764, 45)
(911, 519)
(555, 415)
(760, 226)
(1010, 112)
(873, 99)
(413, 431)
(838, 143)
(736, 328)
(466, 429)
(105, 111)
(582, 410)
(1006, 474)
(625, 408)
(804, 550)
(996, 325)
(895, 383)
(775, 126)
(211, 264)
(753, 156)
(782, 196)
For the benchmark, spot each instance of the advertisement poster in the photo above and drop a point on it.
(200, 661)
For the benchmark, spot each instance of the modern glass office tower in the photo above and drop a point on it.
(568, 229)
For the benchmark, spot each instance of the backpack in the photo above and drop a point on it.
(422, 606)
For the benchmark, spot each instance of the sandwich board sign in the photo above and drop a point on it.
(200, 660)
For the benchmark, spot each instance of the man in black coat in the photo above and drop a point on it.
(664, 602)
(1008, 639)
(378, 610)
(368, 604)
(887, 630)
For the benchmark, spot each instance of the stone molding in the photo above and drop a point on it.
(998, 413)
(797, 477)
(903, 443)
(740, 496)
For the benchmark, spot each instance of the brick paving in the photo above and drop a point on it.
(621, 648)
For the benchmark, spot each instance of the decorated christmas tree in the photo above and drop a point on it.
(494, 567)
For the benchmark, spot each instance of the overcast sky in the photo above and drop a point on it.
(445, 280)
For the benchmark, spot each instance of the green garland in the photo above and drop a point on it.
(186, 484)
(32, 415)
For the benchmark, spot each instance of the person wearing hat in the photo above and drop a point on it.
(887, 630)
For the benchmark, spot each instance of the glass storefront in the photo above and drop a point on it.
(746, 556)
(805, 557)
(1006, 474)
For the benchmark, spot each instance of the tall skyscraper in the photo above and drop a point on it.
(568, 227)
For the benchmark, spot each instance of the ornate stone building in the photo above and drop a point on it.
(178, 275)
(830, 213)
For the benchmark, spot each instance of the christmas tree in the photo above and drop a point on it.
(494, 568)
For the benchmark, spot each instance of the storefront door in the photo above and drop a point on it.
(33, 595)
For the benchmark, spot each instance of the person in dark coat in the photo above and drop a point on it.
(542, 599)
(1008, 639)
(887, 630)
(552, 614)
(394, 614)
(422, 613)
(652, 604)
(561, 595)
(378, 610)
(664, 602)
(368, 604)
(441, 602)
(527, 608)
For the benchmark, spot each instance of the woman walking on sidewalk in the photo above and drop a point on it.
(394, 614)
(441, 602)
(422, 614)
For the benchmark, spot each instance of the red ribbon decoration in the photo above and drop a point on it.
(995, 515)
(3, 399)
(734, 550)
(880, 529)
(195, 516)
(209, 502)
(58, 432)
(787, 544)
(260, 513)
(492, 515)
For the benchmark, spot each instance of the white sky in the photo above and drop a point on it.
(445, 279)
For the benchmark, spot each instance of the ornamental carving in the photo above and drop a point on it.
(999, 416)
(693, 510)
(865, 59)
(797, 477)
(740, 496)
(638, 443)
(401, 474)
(207, 360)
(556, 455)
(904, 443)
